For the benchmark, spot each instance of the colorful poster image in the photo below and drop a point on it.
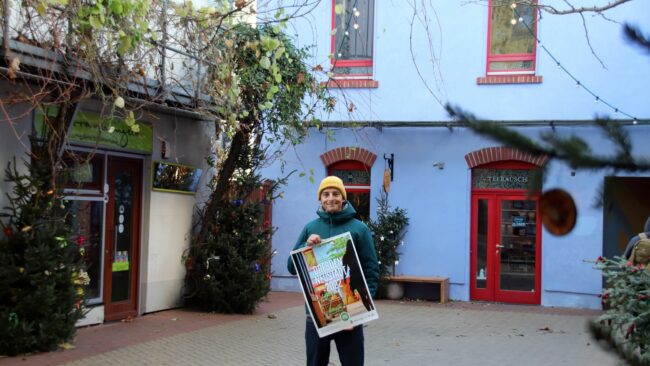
(334, 286)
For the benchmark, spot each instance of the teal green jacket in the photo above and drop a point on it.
(328, 225)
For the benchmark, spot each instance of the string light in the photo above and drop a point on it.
(559, 65)
(513, 21)
(356, 26)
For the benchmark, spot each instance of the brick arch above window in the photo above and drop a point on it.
(348, 153)
(496, 154)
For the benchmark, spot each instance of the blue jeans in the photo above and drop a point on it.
(349, 345)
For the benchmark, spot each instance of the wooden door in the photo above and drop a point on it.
(122, 238)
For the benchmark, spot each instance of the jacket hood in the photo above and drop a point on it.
(347, 213)
(647, 225)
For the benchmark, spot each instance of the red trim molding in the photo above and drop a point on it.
(496, 154)
(348, 153)
(351, 84)
(508, 79)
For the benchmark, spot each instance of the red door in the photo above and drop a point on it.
(122, 238)
(505, 240)
(505, 248)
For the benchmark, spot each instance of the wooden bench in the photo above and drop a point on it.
(442, 281)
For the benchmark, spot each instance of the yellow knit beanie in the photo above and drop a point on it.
(332, 182)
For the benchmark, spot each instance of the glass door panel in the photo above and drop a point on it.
(122, 243)
(517, 245)
(86, 221)
(481, 244)
(361, 203)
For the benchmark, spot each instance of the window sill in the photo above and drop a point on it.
(508, 79)
(351, 84)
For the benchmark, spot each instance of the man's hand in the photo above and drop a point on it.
(314, 239)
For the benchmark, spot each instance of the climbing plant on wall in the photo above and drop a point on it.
(263, 87)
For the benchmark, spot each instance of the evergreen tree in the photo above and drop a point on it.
(230, 270)
(388, 231)
(626, 323)
(42, 276)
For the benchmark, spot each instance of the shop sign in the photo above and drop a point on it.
(93, 130)
(501, 178)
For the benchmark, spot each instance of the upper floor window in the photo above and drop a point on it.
(352, 38)
(512, 33)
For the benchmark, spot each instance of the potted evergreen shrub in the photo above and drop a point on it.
(388, 231)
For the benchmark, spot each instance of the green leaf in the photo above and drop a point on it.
(116, 7)
(95, 22)
(338, 9)
(301, 175)
(40, 9)
(333, 32)
(265, 62)
(279, 13)
(130, 119)
(123, 45)
(279, 52)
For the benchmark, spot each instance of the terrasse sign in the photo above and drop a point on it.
(501, 178)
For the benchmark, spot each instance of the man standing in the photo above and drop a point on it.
(337, 216)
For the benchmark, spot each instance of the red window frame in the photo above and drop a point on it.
(513, 56)
(338, 63)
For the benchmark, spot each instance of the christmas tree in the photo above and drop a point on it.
(388, 231)
(42, 276)
(229, 270)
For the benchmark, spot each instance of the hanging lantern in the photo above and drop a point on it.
(558, 211)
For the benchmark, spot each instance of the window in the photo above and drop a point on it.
(356, 179)
(512, 33)
(352, 38)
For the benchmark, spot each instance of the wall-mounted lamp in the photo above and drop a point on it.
(439, 164)
(390, 162)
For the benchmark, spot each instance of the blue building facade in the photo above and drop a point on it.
(470, 219)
